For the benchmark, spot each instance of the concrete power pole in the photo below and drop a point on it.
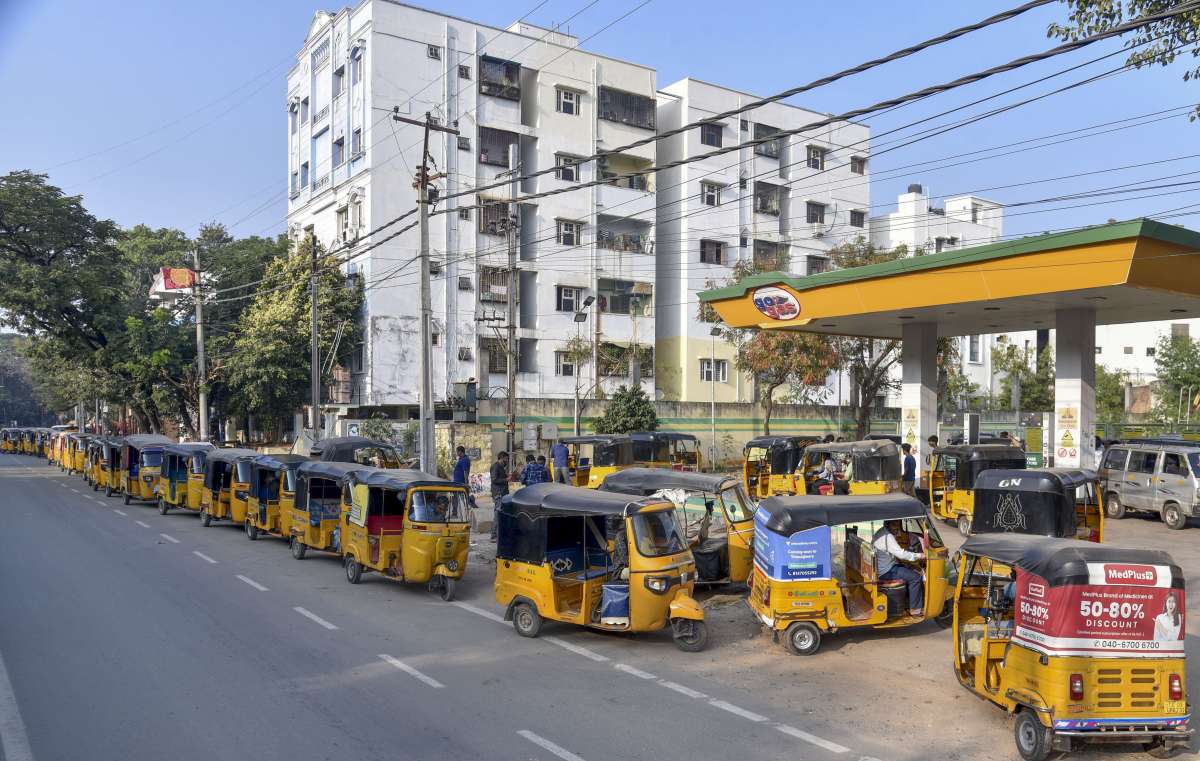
(428, 456)
(315, 349)
(510, 422)
(201, 369)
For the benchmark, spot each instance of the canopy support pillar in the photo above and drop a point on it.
(918, 390)
(1074, 442)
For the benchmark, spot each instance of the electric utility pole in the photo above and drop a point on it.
(316, 347)
(513, 226)
(201, 370)
(428, 456)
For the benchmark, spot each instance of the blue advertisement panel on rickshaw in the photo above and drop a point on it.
(803, 555)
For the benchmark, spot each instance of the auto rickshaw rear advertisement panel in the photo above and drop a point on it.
(1127, 610)
(803, 555)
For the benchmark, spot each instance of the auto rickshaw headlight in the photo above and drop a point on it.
(1174, 687)
(657, 584)
(452, 565)
(1076, 687)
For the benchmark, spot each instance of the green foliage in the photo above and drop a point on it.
(1110, 396)
(379, 427)
(1037, 383)
(1177, 364)
(19, 402)
(628, 410)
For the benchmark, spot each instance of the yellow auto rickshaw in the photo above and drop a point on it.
(108, 476)
(666, 449)
(407, 525)
(824, 564)
(75, 453)
(356, 449)
(141, 458)
(8, 440)
(769, 465)
(592, 458)
(952, 474)
(864, 467)
(29, 441)
(1058, 502)
(226, 485)
(322, 497)
(1082, 642)
(597, 559)
(180, 483)
(91, 461)
(272, 495)
(717, 516)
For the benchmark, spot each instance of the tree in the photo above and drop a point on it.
(1110, 396)
(1158, 43)
(578, 351)
(1177, 365)
(628, 410)
(1036, 383)
(19, 401)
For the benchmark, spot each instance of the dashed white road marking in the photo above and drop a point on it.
(479, 611)
(736, 710)
(634, 671)
(203, 557)
(253, 583)
(682, 690)
(169, 538)
(412, 671)
(121, 513)
(545, 744)
(820, 742)
(13, 737)
(143, 524)
(314, 617)
(577, 649)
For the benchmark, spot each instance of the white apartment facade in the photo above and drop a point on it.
(351, 171)
(782, 205)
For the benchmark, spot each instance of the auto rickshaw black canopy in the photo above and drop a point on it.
(783, 451)
(187, 448)
(973, 459)
(1062, 562)
(550, 499)
(646, 481)
(140, 441)
(400, 479)
(279, 461)
(607, 449)
(874, 459)
(342, 448)
(648, 445)
(225, 456)
(330, 470)
(1038, 501)
(789, 514)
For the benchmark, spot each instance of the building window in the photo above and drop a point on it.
(975, 213)
(497, 357)
(769, 255)
(568, 168)
(1129, 350)
(973, 353)
(858, 165)
(464, 72)
(767, 198)
(434, 52)
(342, 220)
(568, 298)
(712, 252)
(295, 183)
(816, 157)
(304, 111)
(494, 145)
(770, 148)
(745, 125)
(566, 101)
(339, 80)
(500, 78)
(569, 232)
(743, 241)
(815, 265)
(707, 374)
(493, 284)
(304, 175)
(1149, 351)
(464, 143)
(563, 366)
(355, 68)
(815, 213)
(625, 297)
(627, 108)
(1099, 349)
(465, 213)
(1179, 330)
(710, 134)
(858, 218)
(339, 151)
(293, 120)
(743, 183)
(710, 194)
(356, 142)
(435, 339)
(493, 216)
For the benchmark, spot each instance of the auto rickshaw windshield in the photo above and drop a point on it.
(289, 480)
(438, 507)
(197, 465)
(244, 468)
(377, 457)
(151, 458)
(736, 504)
(657, 533)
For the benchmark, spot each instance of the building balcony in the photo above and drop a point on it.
(499, 78)
(321, 184)
(320, 116)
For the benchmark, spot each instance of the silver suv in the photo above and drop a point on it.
(1158, 478)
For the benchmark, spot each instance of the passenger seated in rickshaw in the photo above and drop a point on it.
(823, 476)
(842, 485)
(889, 566)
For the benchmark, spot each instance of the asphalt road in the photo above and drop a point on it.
(127, 635)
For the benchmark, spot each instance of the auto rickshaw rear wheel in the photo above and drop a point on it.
(1158, 749)
(1113, 507)
(964, 525)
(690, 636)
(1033, 739)
(108, 491)
(298, 548)
(205, 518)
(126, 497)
(162, 506)
(526, 620)
(251, 531)
(802, 638)
(95, 486)
(353, 570)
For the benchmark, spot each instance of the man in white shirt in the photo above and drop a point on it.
(888, 553)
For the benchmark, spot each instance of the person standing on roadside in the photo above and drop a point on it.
(559, 456)
(499, 478)
(462, 467)
(908, 479)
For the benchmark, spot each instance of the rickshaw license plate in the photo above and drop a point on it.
(1175, 706)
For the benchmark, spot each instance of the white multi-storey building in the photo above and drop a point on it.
(352, 168)
(781, 205)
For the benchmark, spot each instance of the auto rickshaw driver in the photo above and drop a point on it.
(892, 550)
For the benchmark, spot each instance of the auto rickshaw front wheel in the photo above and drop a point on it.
(802, 638)
(526, 620)
(1033, 739)
(964, 525)
(163, 509)
(690, 636)
(444, 586)
(353, 570)
(298, 548)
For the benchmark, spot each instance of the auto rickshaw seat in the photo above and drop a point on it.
(385, 524)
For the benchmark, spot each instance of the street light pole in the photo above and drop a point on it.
(201, 371)
(712, 404)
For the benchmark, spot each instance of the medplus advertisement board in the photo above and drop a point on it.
(803, 555)
(1125, 610)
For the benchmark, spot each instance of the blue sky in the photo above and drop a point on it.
(207, 81)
